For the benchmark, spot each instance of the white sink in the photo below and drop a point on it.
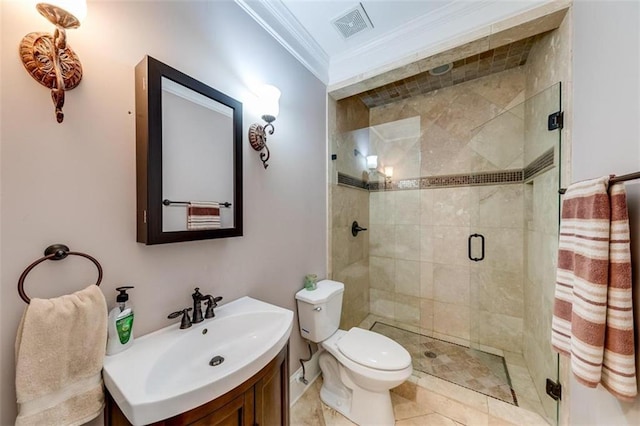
(167, 372)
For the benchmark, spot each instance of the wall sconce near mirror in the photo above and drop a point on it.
(269, 97)
(48, 58)
(388, 174)
(372, 162)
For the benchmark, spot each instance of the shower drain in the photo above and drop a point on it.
(430, 354)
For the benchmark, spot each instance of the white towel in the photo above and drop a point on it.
(203, 215)
(60, 348)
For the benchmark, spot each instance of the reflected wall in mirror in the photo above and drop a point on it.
(189, 157)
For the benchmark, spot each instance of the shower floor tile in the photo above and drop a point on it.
(471, 368)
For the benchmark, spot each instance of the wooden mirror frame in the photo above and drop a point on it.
(148, 74)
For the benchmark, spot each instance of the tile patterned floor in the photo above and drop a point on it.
(521, 381)
(432, 402)
(473, 369)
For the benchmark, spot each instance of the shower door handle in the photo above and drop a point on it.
(471, 237)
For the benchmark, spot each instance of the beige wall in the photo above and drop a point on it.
(420, 272)
(74, 182)
(351, 114)
(606, 33)
(349, 255)
(549, 63)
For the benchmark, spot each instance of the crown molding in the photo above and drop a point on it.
(279, 22)
(415, 40)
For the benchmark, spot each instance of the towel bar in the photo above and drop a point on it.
(186, 203)
(54, 252)
(614, 179)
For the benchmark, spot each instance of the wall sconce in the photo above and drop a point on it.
(388, 174)
(269, 97)
(48, 59)
(372, 162)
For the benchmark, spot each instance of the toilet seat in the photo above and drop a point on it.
(373, 350)
(331, 346)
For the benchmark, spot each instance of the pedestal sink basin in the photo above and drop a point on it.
(171, 371)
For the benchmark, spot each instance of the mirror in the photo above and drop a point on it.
(189, 158)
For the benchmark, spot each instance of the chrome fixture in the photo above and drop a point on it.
(269, 103)
(440, 70)
(48, 58)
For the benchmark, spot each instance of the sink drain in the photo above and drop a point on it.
(216, 360)
(430, 354)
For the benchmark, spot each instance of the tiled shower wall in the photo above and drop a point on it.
(419, 270)
(549, 63)
(420, 273)
(349, 256)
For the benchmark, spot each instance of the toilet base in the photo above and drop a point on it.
(355, 403)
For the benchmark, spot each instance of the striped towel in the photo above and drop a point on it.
(619, 369)
(593, 318)
(203, 215)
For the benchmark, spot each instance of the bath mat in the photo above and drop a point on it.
(470, 368)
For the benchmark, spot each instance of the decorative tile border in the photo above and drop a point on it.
(352, 181)
(537, 166)
(446, 181)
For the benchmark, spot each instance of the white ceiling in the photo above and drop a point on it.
(386, 16)
(402, 30)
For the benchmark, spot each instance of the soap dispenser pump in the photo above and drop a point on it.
(120, 323)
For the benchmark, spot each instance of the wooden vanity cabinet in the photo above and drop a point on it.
(263, 400)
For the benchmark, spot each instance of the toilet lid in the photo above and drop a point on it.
(373, 350)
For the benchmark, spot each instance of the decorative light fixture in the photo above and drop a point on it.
(388, 174)
(372, 162)
(269, 97)
(48, 59)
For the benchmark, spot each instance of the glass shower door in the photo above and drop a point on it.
(512, 247)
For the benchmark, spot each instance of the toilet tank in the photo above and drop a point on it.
(319, 310)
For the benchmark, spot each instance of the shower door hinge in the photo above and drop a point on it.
(554, 389)
(556, 121)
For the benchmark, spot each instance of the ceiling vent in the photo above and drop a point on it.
(352, 22)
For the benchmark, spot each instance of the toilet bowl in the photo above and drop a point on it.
(359, 366)
(363, 394)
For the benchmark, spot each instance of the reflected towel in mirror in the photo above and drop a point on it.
(203, 215)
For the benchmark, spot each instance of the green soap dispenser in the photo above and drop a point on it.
(120, 323)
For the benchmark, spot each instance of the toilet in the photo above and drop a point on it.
(359, 367)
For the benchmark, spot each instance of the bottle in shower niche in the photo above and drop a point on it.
(120, 323)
